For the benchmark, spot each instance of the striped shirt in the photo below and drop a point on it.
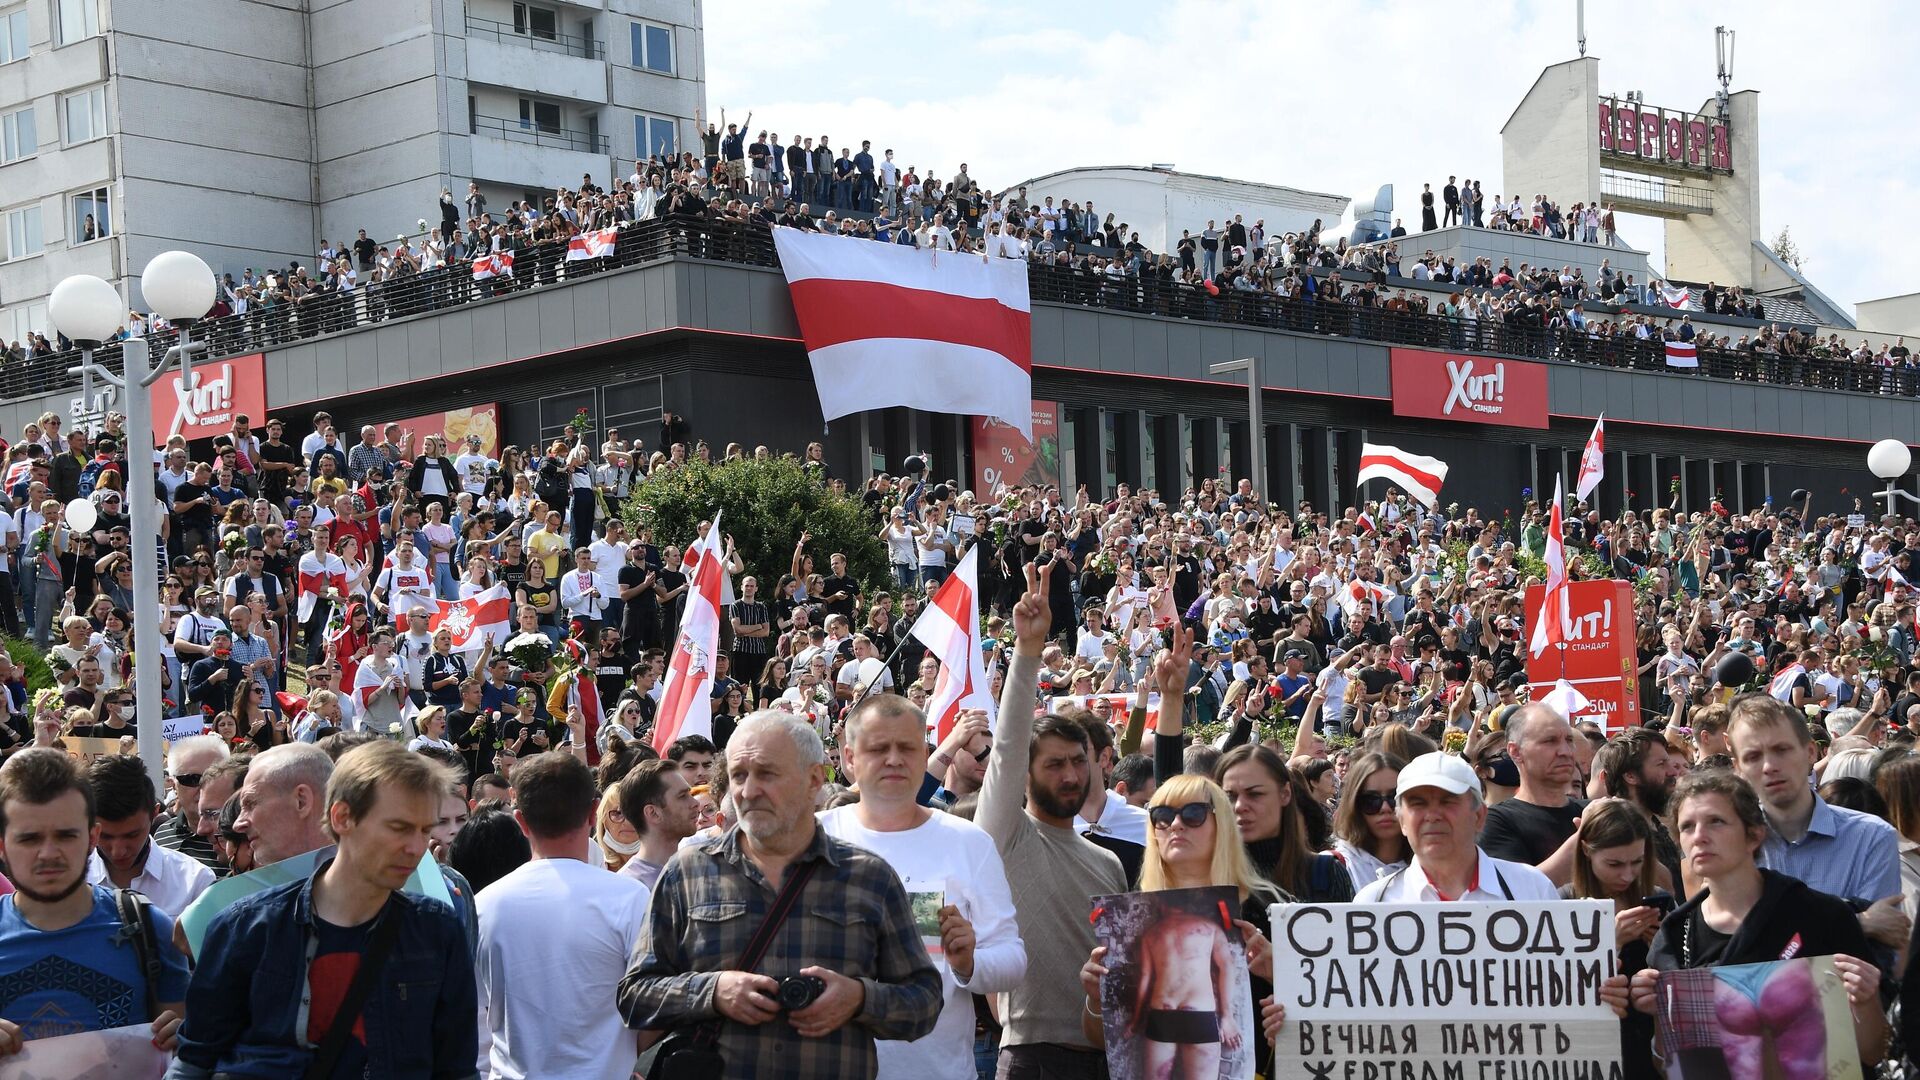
(751, 613)
(852, 917)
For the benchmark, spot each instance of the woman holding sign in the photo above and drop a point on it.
(1746, 915)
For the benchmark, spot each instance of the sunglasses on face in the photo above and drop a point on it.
(187, 779)
(1372, 802)
(1193, 815)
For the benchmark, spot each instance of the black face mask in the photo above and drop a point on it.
(1504, 772)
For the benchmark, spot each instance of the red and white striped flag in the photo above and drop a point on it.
(469, 620)
(1365, 521)
(493, 264)
(1419, 476)
(949, 627)
(1593, 460)
(597, 244)
(887, 325)
(1781, 686)
(1551, 628)
(1682, 354)
(316, 574)
(686, 700)
(1675, 298)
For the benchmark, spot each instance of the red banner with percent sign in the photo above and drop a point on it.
(1003, 458)
(1599, 659)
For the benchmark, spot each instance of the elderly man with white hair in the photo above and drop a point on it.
(1440, 808)
(186, 761)
(684, 977)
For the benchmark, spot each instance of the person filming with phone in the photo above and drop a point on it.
(776, 950)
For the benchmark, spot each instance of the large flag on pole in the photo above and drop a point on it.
(469, 620)
(1682, 354)
(1593, 460)
(1420, 476)
(887, 325)
(1551, 629)
(686, 699)
(950, 629)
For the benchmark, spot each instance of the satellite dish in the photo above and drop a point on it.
(81, 515)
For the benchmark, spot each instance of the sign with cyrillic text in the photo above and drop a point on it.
(1445, 991)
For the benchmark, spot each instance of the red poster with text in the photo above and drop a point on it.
(219, 391)
(1470, 389)
(1600, 660)
(1004, 459)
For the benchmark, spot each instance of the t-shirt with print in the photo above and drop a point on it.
(338, 951)
(81, 978)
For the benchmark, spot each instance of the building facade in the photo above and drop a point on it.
(247, 132)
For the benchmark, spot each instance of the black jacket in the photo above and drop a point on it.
(1788, 909)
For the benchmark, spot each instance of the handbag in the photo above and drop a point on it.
(379, 944)
(694, 1054)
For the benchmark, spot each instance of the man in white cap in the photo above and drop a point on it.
(1440, 810)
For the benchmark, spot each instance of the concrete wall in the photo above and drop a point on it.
(1891, 315)
(1719, 246)
(1158, 204)
(1550, 145)
(1466, 245)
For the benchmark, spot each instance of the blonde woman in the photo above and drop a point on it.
(618, 840)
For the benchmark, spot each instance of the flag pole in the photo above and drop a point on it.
(875, 681)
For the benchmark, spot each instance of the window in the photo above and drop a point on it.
(13, 36)
(90, 218)
(78, 19)
(654, 136)
(17, 322)
(23, 232)
(86, 115)
(653, 47)
(17, 136)
(544, 115)
(536, 21)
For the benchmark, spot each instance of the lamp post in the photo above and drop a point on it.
(1256, 424)
(1889, 459)
(180, 288)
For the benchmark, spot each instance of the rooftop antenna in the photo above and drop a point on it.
(1723, 50)
(1580, 17)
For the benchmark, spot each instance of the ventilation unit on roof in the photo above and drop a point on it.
(1162, 166)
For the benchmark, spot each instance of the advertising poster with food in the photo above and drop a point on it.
(456, 425)
(1003, 458)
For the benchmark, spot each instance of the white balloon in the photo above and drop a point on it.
(81, 515)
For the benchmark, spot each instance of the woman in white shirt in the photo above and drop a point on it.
(437, 537)
(1367, 835)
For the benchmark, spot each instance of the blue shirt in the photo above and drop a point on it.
(1845, 853)
(82, 978)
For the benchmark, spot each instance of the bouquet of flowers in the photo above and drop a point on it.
(529, 651)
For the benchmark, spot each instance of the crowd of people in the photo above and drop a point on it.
(1196, 688)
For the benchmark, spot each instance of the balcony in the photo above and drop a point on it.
(1649, 195)
(535, 156)
(539, 41)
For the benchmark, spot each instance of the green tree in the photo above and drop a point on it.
(764, 506)
(32, 662)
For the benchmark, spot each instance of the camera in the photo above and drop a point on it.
(799, 991)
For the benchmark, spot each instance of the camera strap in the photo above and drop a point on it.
(757, 946)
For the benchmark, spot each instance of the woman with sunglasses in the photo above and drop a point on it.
(252, 715)
(1192, 847)
(616, 837)
(1367, 835)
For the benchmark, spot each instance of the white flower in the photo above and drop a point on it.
(393, 730)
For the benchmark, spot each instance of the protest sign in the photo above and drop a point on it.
(1446, 991)
(1176, 1000)
(1786, 1018)
(122, 1053)
(175, 728)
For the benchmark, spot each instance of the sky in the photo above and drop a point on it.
(1339, 97)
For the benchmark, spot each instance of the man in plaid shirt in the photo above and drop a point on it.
(852, 928)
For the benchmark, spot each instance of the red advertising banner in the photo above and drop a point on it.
(1471, 389)
(1004, 459)
(204, 407)
(456, 425)
(1599, 659)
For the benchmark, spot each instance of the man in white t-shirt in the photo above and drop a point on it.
(538, 1017)
(952, 873)
(474, 467)
(866, 675)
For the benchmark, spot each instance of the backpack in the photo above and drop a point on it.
(136, 927)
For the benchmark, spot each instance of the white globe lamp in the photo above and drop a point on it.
(1889, 459)
(85, 309)
(178, 286)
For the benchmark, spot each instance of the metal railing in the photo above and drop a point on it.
(1654, 193)
(526, 37)
(326, 312)
(533, 134)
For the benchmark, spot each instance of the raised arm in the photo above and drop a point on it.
(1003, 792)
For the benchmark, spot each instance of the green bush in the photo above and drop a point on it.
(764, 506)
(32, 661)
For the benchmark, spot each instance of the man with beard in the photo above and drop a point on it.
(68, 963)
(853, 914)
(1051, 868)
(658, 802)
(1635, 765)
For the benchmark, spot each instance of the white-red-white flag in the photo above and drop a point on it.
(469, 620)
(597, 244)
(1551, 628)
(949, 627)
(1682, 354)
(1675, 296)
(493, 264)
(316, 573)
(1365, 521)
(887, 325)
(686, 699)
(1419, 476)
(1593, 460)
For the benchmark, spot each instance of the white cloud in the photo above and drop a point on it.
(1335, 97)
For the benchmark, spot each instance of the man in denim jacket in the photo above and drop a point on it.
(276, 966)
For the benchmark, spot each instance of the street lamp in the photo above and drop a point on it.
(1256, 425)
(180, 288)
(1889, 459)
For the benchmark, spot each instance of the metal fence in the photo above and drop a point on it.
(537, 40)
(327, 312)
(532, 133)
